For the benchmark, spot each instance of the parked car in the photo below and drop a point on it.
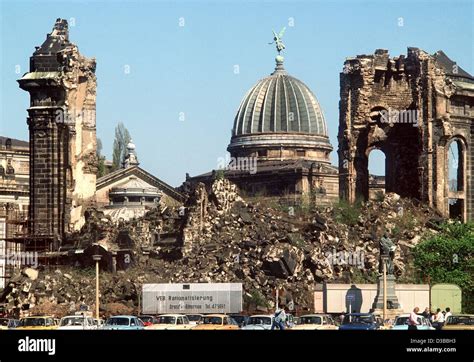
(216, 321)
(401, 323)
(37, 323)
(240, 319)
(459, 321)
(123, 322)
(259, 322)
(148, 320)
(315, 321)
(99, 323)
(8, 323)
(359, 321)
(77, 322)
(171, 321)
(195, 318)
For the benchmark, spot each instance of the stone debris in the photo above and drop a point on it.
(222, 238)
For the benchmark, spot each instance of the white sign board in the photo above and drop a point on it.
(187, 298)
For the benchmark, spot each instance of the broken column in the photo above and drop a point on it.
(61, 120)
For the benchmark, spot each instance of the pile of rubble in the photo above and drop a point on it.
(223, 238)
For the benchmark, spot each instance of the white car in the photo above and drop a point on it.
(171, 321)
(401, 323)
(77, 322)
(195, 319)
(315, 321)
(259, 322)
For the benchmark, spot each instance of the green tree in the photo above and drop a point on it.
(447, 257)
(122, 138)
(101, 170)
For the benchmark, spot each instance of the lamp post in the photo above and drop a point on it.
(97, 258)
(384, 261)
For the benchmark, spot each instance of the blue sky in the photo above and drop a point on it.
(189, 70)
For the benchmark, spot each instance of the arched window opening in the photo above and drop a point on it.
(455, 166)
(455, 179)
(377, 172)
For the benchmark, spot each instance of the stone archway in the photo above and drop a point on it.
(401, 144)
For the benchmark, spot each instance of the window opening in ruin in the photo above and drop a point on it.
(455, 166)
(456, 207)
(376, 170)
(455, 179)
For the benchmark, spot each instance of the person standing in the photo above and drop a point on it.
(426, 313)
(279, 319)
(448, 313)
(413, 319)
(439, 318)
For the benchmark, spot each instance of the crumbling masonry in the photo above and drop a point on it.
(61, 120)
(414, 109)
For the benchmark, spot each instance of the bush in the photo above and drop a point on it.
(257, 299)
(347, 213)
(448, 258)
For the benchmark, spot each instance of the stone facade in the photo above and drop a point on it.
(14, 173)
(413, 108)
(14, 200)
(62, 126)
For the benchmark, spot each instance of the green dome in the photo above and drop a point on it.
(279, 103)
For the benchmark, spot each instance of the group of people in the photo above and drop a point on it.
(437, 318)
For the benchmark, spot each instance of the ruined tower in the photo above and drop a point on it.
(419, 111)
(62, 128)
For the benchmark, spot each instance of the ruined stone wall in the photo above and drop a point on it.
(61, 121)
(401, 106)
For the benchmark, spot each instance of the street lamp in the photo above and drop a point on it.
(97, 258)
(384, 260)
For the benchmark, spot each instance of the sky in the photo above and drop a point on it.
(174, 72)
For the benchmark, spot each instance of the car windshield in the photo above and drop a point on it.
(167, 320)
(212, 320)
(366, 319)
(310, 320)
(146, 319)
(194, 317)
(32, 322)
(3, 322)
(260, 320)
(238, 318)
(72, 321)
(460, 320)
(118, 321)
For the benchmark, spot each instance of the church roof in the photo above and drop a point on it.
(450, 66)
(139, 173)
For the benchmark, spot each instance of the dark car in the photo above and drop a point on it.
(359, 321)
(240, 319)
(8, 323)
(148, 320)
